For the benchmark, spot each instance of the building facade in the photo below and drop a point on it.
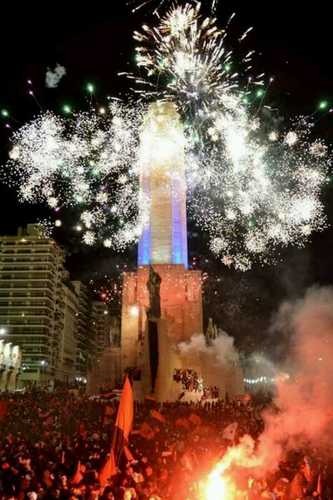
(85, 337)
(40, 308)
(106, 370)
(101, 326)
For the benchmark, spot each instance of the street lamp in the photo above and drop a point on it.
(3, 331)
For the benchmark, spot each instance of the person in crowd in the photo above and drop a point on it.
(54, 445)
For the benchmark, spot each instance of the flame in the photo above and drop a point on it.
(218, 486)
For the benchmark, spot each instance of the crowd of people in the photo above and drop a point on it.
(54, 446)
(191, 382)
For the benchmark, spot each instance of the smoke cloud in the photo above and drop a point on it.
(53, 77)
(221, 349)
(305, 399)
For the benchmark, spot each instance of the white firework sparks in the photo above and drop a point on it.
(258, 195)
(155, 4)
(251, 190)
(89, 238)
(83, 161)
(186, 59)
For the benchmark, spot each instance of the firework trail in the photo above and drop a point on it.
(140, 4)
(136, 5)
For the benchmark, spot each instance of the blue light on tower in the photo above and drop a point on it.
(162, 182)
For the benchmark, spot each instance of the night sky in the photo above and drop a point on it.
(93, 41)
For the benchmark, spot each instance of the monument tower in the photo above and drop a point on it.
(163, 183)
(162, 300)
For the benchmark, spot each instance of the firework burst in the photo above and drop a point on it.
(251, 189)
(185, 58)
(87, 161)
(254, 195)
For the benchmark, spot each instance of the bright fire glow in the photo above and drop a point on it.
(218, 487)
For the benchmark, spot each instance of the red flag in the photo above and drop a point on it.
(108, 470)
(122, 430)
(124, 421)
(128, 454)
(182, 422)
(3, 409)
(195, 419)
(157, 415)
(146, 431)
(77, 478)
(149, 397)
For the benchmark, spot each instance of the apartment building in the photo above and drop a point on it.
(40, 309)
(101, 326)
(86, 343)
(31, 272)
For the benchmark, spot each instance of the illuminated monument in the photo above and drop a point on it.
(162, 300)
(164, 238)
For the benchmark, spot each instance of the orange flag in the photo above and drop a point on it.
(128, 454)
(123, 427)
(108, 470)
(146, 431)
(157, 415)
(124, 421)
(77, 478)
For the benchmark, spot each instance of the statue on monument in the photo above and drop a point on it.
(153, 285)
(211, 332)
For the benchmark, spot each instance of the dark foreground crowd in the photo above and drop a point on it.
(53, 446)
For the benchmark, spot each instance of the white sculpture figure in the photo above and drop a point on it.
(15, 367)
(2, 343)
(2, 361)
(7, 366)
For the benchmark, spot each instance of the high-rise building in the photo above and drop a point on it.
(68, 303)
(40, 309)
(86, 344)
(106, 371)
(31, 273)
(101, 326)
